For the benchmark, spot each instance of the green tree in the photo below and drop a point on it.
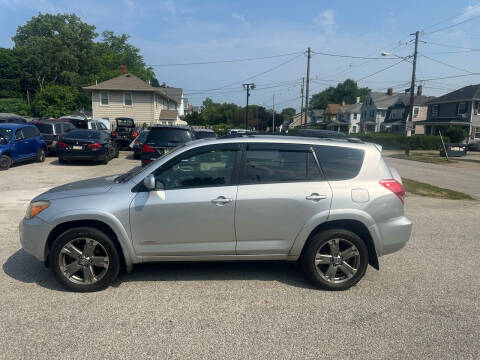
(347, 91)
(456, 134)
(288, 112)
(55, 101)
(15, 106)
(10, 74)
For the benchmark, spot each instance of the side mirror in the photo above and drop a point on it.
(149, 183)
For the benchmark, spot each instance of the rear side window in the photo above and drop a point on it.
(84, 134)
(274, 166)
(58, 128)
(339, 163)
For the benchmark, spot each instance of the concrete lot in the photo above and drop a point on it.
(424, 303)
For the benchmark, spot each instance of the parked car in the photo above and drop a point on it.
(204, 133)
(90, 145)
(105, 122)
(334, 206)
(125, 132)
(474, 146)
(20, 142)
(52, 130)
(161, 139)
(12, 118)
(137, 144)
(82, 123)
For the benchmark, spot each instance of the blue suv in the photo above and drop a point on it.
(20, 142)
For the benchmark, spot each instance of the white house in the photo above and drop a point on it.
(129, 96)
(374, 110)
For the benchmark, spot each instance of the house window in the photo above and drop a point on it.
(354, 129)
(354, 116)
(104, 98)
(127, 98)
(477, 132)
(416, 109)
(462, 108)
(435, 110)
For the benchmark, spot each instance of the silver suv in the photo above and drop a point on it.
(332, 205)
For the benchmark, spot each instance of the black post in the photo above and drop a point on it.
(248, 87)
(412, 98)
(308, 85)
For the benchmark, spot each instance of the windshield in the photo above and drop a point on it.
(5, 135)
(172, 135)
(45, 128)
(125, 122)
(138, 169)
(82, 134)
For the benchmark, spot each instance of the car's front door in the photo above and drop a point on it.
(22, 145)
(280, 189)
(193, 211)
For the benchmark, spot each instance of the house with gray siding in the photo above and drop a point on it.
(458, 108)
(374, 110)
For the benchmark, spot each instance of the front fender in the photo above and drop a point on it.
(98, 215)
(332, 215)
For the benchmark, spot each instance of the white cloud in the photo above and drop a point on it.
(241, 18)
(326, 19)
(130, 3)
(469, 12)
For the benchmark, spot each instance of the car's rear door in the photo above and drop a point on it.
(281, 187)
(194, 213)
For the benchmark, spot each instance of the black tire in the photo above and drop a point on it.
(41, 155)
(106, 159)
(316, 273)
(62, 160)
(117, 152)
(136, 156)
(108, 275)
(5, 162)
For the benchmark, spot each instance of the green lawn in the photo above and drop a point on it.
(423, 189)
(424, 157)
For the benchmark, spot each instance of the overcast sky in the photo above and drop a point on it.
(175, 31)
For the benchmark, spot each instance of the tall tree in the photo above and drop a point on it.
(347, 91)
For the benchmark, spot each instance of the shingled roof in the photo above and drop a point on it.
(383, 100)
(470, 92)
(128, 82)
(174, 93)
(168, 115)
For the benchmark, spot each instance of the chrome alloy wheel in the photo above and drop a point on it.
(337, 260)
(83, 261)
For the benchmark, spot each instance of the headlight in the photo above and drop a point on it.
(36, 208)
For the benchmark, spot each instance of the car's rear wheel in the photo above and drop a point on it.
(335, 259)
(41, 155)
(84, 259)
(5, 162)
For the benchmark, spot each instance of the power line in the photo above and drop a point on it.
(444, 63)
(227, 61)
(448, 45)
(451, 26)
(379, 71)
(450, 77)
(351, 56)
(448, 19)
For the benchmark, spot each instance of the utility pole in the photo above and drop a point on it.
(409, 123)
(273, 113)
(308, 85)
(301, 108)
(249, 86)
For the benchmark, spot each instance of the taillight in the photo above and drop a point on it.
(95, 146)
(134, 134)
(114, 134)
(395, 187)
(147, 149)
(62, 145)
(135, 142)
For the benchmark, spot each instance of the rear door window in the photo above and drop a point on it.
(58, 129)
(339, 163)
(29, 132)
(45, 128)
(263, 166)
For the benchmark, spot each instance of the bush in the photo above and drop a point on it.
(15, 106)
(221, 129)
(54, 101)
(455, 134)
(397, 141)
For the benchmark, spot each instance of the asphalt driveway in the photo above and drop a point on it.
(422, 304)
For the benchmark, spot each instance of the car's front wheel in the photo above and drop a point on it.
(41, 155)
(335, 259)
(84, 259)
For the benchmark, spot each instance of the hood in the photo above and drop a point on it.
(79, 188)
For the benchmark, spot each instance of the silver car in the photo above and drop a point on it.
(332, 205)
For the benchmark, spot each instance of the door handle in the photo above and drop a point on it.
(221, 200)
(315, 197)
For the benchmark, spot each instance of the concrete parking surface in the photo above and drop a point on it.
(423, 303)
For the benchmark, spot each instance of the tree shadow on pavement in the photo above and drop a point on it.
(25, 268)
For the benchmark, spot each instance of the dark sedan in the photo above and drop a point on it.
(137, 144)
(90, 145)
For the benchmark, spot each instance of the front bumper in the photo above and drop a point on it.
(33, 236)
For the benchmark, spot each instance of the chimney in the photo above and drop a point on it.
(419, 90)
(343, 102)
(358, 99)
(123, 69)
(389, 91)
(149, 82)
